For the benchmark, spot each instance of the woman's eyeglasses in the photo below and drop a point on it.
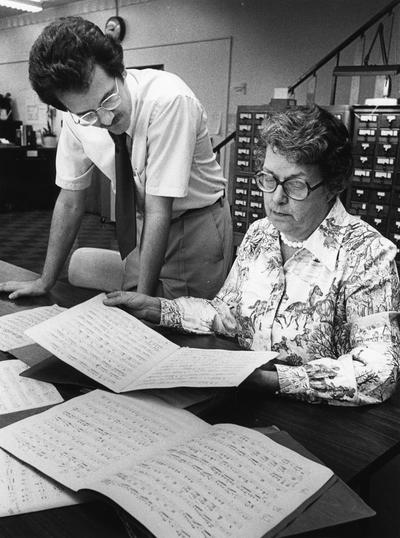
(110, 103)
(296, 189)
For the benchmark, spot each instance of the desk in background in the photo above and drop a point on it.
(27, 178)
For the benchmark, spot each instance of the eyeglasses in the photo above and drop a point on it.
(110, 103)
(296, 189)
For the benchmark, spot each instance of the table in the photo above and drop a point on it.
(353, 441)
(336, 435)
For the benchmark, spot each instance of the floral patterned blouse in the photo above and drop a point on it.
(330, 310)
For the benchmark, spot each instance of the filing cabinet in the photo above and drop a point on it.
(246, 199)
(374, 193)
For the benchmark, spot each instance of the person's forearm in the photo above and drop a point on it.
(154, 243)
(67, 217)
(152, 252)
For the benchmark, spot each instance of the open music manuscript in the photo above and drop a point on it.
(170, 470)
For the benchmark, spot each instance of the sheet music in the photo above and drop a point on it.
(84, 438)
(23, 489)
(105, 343)
(231, 482)
(12, 326)
(18, 393)
(192, 367)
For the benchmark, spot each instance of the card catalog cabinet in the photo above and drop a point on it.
(374, 193)
(245, 198)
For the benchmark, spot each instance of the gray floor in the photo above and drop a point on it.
(24, 236)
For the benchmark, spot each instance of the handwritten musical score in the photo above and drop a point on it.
(18, 393)
(124, 354)
(77, 441)
(12, 326)
(169, 469)
(22, 489)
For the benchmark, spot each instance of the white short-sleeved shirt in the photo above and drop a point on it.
(171, 148)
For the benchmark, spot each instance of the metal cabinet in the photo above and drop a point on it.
(374, 193)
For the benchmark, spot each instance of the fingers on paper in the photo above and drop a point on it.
(117, 298)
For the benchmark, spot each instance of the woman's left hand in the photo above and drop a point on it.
(139, 305)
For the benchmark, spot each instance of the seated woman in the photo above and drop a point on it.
(310, 281)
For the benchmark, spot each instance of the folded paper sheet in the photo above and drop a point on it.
(23, 489)
(19, 393)
(12, 326)
(123, 354)
(170, 470)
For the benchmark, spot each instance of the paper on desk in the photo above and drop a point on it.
(120, 352)
(203, 368)
(173, 472)
(12, 326)
(81, 439)
(22, 489)
(227, 482)
(19, 393)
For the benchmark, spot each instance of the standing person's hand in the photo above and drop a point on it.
(139, 305)
(18, 289)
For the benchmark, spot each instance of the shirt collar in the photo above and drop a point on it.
(324, 243)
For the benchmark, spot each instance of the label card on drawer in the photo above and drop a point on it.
(368, 117)
(385, 160)
(389, 132)
(32, 153)
(366, 132)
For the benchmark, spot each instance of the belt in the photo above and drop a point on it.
(198, 210)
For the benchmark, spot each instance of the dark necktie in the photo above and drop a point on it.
(125, 205)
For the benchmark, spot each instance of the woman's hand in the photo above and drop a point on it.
(139, 305)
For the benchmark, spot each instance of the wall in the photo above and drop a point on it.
(273, 41)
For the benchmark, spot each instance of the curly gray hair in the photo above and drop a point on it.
(309, 135)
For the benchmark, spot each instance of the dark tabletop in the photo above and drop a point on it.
(352, 441)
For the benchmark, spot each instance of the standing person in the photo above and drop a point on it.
(183, 226)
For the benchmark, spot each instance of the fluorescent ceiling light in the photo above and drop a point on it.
(24, 5)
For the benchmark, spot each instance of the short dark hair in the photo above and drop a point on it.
(310, 135)
(64, 55)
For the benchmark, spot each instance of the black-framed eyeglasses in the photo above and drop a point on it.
(296, 189)
(109, 104)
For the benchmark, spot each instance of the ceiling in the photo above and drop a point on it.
(8, 12)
